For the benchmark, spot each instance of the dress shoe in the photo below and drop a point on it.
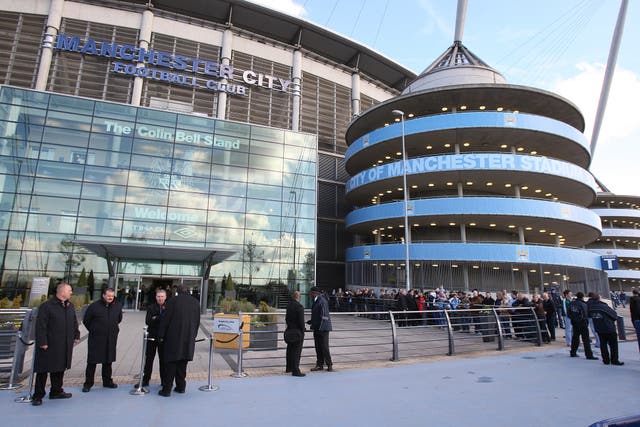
(617, 363)
(61, 395)
(86, 388)
(287, 371)
(330, 368)
(36, 401)
(592, 358)
(316, 368)
(573, 355)
(606, 363)
(110, 385)
(298, 374)
(177, 390)
(164, 393)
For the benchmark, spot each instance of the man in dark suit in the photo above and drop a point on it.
(321, 324)
(56, 333)
(155, 312)
(295, 327)
(102, 320)
(177, 331)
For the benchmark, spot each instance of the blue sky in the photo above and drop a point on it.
(560, 46)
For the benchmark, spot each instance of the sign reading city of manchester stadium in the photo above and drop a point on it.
(175, 69)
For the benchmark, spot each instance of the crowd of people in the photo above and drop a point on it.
(552, 310)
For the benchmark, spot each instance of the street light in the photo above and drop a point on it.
(407, 241)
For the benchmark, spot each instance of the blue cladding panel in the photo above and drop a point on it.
(478, 252)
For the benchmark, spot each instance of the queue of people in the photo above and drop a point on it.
(173, 328)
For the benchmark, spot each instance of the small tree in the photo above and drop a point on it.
(17, 301)
(91, 286)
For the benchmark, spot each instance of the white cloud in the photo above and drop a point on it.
(617, 149)
(287, 6)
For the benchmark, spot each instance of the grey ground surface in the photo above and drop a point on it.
(524, 386)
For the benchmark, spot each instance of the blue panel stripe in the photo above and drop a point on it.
(473, 119)
(474, 162)
(477, 252)
(477, 206)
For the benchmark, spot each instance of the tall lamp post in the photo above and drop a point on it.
(407, 265)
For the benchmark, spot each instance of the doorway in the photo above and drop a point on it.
(136, 292)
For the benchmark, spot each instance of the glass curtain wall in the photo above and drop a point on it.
(78, 169)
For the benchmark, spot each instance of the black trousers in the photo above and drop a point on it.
(609, 342)
(176, 370)
(321, 341)
(153, 347)
(41, 381)
(294, 351)
(91, 372)
(581, 330)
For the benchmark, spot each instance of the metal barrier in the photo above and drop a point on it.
(360, 336)
(139, 390)
(15, 330)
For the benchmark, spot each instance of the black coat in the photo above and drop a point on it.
(102, 321)
(320, 317)
(604, 317)
(153, 317)
(56, 327)
(179, 327)
(295, 316)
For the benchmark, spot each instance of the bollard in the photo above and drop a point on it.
(394, 338)
(239, 372)
(137, 391)
(11, 385)
(210, 386)
(27, 397)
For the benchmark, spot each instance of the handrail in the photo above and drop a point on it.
(413, 334)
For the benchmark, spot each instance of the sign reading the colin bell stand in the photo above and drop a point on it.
(609, 262)
(175, 69)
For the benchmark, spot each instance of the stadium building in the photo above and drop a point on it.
(147, 144)
(494, 192)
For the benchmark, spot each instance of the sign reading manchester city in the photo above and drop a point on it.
(175, 69)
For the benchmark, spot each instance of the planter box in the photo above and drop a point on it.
(264, 337)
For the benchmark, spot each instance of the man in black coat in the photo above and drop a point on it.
(102, 320)
(56, 333)
(578, 314)
(604, 322)
(154, 315)
(634, 307)
(321, 324)
(295, 322)
(177, 331)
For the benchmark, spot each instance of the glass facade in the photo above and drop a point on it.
(75, 169)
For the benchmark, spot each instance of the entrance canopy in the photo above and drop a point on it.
(111, 250)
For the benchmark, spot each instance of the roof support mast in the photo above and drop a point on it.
(608, 74)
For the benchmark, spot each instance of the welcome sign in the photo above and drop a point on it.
(174, 69)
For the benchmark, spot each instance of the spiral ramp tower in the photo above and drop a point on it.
(497, 179)
(620, 238)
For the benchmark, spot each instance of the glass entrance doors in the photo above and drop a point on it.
(136, 292)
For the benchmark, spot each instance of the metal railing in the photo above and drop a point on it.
(15, 330)
(392, 335)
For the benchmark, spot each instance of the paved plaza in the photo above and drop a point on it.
(530, 387)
